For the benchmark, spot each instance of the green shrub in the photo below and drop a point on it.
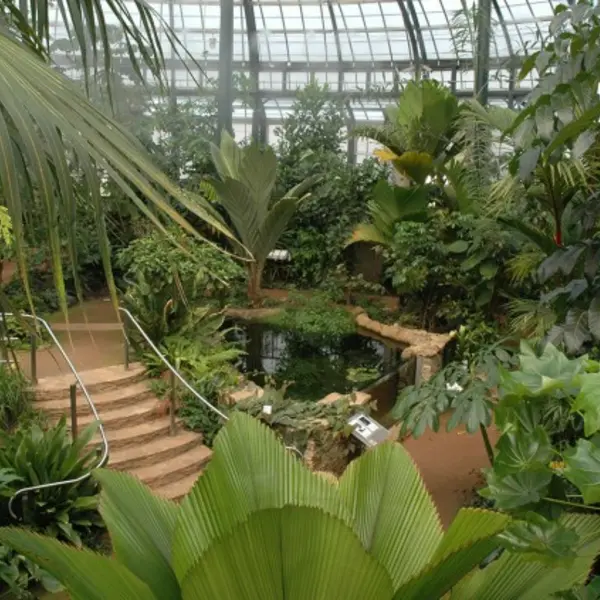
(192, 268)
(15, 398)
(18, 574)
(314, 316)
(38, 456)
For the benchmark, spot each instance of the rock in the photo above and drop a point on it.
(250, 390)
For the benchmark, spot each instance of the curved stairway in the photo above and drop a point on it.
(138, 434)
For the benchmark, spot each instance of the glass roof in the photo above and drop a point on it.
(362, 49)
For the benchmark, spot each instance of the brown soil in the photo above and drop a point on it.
(451, 465)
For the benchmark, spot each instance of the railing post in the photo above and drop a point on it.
(33, 343)
(173, 401)
(73, 399)
(126, 344)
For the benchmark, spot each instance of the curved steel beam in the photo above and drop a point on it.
(259, 118)
(412, 38)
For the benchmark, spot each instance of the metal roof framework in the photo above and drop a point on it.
(362, 49)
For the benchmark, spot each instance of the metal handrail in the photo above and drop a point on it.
(176, 373)
(169, 366)
(103, 458)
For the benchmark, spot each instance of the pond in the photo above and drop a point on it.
(312, 366)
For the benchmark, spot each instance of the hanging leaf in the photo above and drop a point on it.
(528, 162)
(582, 469)
(471, 410)
(594, 317)
(575, 330)
(583, 143)
(588, 402)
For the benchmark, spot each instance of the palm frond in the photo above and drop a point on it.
(50, 135)
(387, 135)
(531, 319)
(88, 25)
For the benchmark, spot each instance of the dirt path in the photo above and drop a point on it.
(451, 464)
(93, 339)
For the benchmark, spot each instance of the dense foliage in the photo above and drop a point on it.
(312, 140)
(374, 534)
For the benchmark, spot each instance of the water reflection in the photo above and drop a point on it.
(313, 366)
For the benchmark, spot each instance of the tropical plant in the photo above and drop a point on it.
(549, 451)
(388, 206)
(58, 147)
(418, 130)
(37, 456)
(245, 191)
(463, 390)
(312, 141)
(15, 398)
(314, 316)
(17, 574)
(259, 524)
(561, 116)
(189, 268)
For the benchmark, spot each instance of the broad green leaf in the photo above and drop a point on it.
(583, 143)
(84, 574)
(519, 451)
(458, 247)
(142, 527)
(472, 536)
(488, 270)
(552, 370)
(594, 316)
(574, 129)
(587, 402)
(528, 162)
(582, 469)
(249, 471)
(513, 576)
(258, 172)
(391, 513)
(293, 552)
(517, 490)
(540, 539)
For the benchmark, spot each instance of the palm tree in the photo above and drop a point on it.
(259, 524)
(56, 147)
(245, 190)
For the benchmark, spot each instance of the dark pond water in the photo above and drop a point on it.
(314, 367)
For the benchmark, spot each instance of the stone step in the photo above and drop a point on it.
(137, 435)
(154, 452)
(104, 401)
(95, 380)
(177, 491)
(175, 469)
(125, 417)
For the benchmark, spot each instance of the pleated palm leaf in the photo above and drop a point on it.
(245, 191)
(418, 131)
(55, 147)
(259, 524)
(388, 206)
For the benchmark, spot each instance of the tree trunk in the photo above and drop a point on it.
(254, 282)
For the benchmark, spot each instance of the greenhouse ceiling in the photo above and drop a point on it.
(363, 50)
